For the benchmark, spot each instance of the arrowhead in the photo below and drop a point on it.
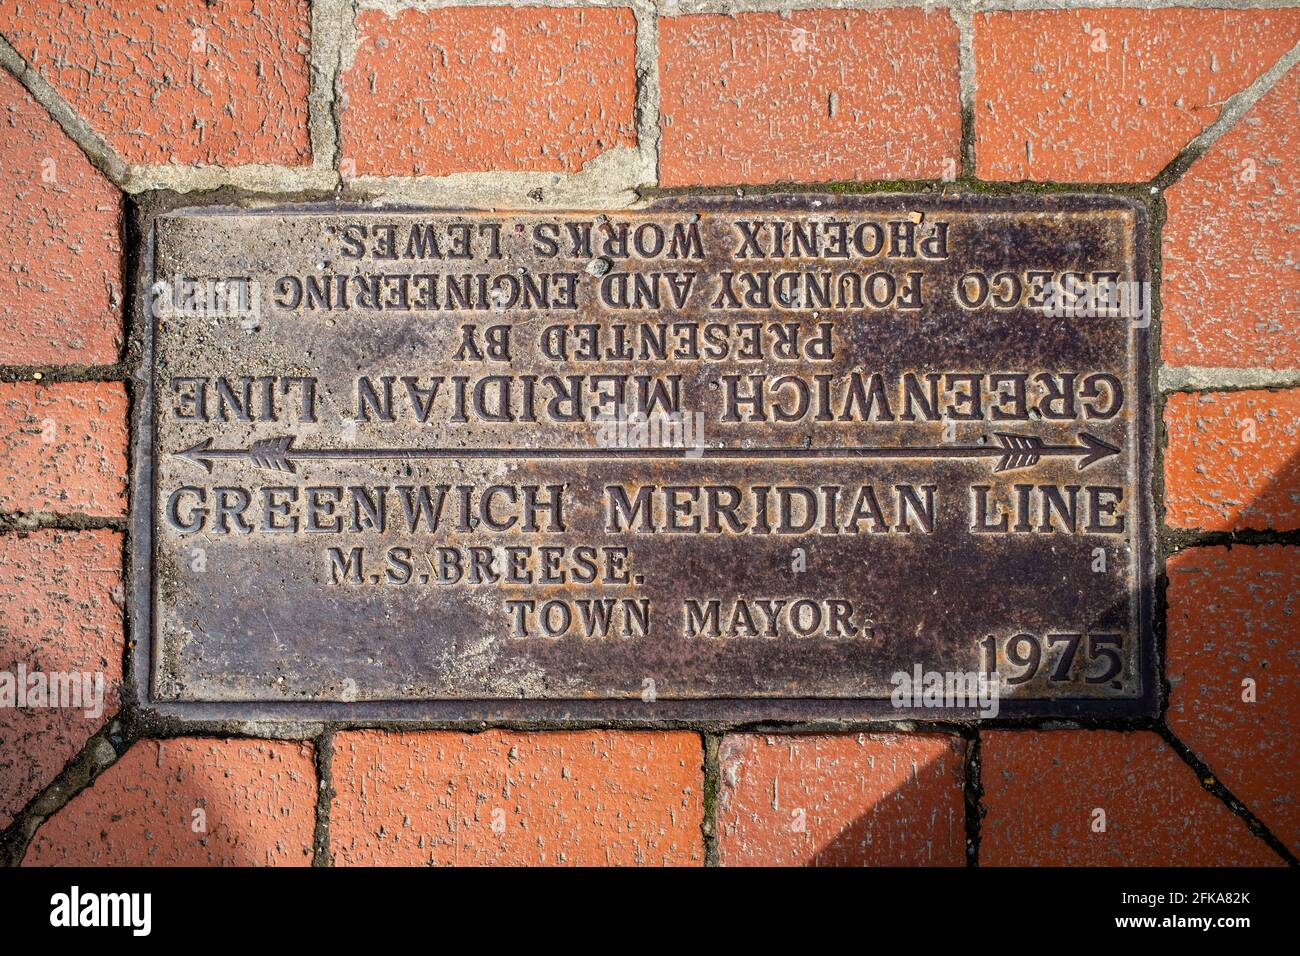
(1097, 450)
(195, 455)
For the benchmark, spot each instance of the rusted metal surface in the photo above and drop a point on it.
(393, 471)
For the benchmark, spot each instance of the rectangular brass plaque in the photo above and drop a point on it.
(789, 458)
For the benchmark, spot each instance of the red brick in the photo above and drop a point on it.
(813, 96)
(1230, 294)
(1234, 615)
(63, 286)
(1053, 104)
(1041, 791)
(60, 611)
(187, 81)
(63, 447)
(1233, 460)
(512, 799)
(257, 800)
(467, 89)
(842, 800)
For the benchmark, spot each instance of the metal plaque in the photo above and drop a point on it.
(790, 457)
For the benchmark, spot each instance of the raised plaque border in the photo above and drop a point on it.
(539, 713)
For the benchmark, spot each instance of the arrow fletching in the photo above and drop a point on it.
(1022, 451)
(272, 453)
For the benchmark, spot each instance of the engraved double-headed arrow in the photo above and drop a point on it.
(1012, 451)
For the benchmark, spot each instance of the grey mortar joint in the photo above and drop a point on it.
(394, 6)
(783, 7)
(966, 83)
(99, 753)
(1085, 5)
(1202, 379)
(253, 177)
(970, 7)
(95, 148)
(330, 20)
(607, 181)
(647, 89)
(1233, 110)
